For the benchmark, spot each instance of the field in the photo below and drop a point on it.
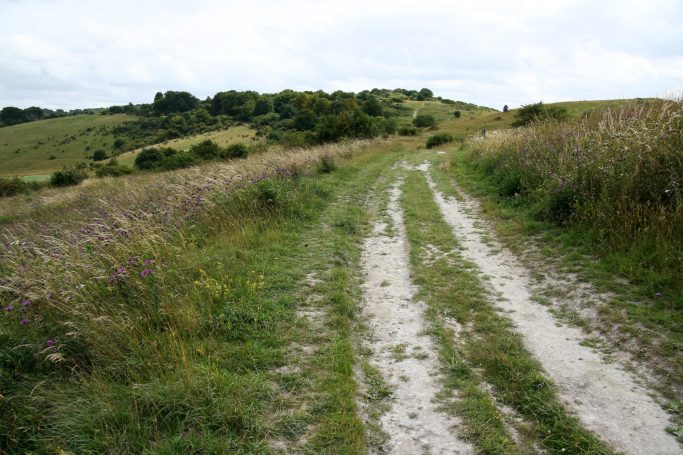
(39, 148)
(358, 297)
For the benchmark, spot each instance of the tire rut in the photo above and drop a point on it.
(607, 399)
(401, 349)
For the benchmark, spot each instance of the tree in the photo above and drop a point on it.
(505, 108)
(12, 115)
(305, 120)
(426, 93)
(174, 102)
(263, 106)
(373, 107)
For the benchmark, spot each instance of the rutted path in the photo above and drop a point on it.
(606, 398)
(401, 350)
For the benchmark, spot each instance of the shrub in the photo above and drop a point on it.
(99, 155)
(424, 121)
(439, 139)
(113, 171)
(531, 113)
(12, 186)
(206, 150)
(178, 160)
(119, 143)
(68, 176)
(457, 114)
(407, 131)
(148, 159)
(238, 150)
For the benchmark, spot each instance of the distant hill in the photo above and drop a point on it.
(35, 149)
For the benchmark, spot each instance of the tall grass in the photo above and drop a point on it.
(96, 284)
(617, 173)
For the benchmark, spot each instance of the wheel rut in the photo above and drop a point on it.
(607, 399)
(401, 348)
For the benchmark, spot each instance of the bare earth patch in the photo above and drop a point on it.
(401, 350)
(607, 399)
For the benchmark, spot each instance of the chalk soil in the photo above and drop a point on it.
(401, 350)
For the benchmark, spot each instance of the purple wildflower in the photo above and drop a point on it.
(119, 275)
(50, 343)
(9, 308)
(25, 321)
(146, 272)
(25, 302)
(658, 294)
(132, 260)
(148, 261)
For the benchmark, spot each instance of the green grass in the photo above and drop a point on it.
(26, 149)
(188, 358)
(452, 289)
(442, 112)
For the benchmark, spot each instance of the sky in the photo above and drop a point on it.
(74, 54)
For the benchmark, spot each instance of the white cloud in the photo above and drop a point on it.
(65, 53)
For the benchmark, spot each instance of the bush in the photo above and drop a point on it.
(68, 176)
(115, 170)
(178, 160)
(12, 186)
(238, 150)
(148, 159)
(99, 155)
(457, 114)
(119, 143)
(531, 113)
(424, 121)
(206, 150)
(407, 131)
(439, 139)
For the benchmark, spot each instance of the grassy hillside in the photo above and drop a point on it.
(223, 138)
(41, 147)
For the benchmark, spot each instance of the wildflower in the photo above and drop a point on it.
(9, 308)
(658, 294)
(146, 272)
(149, 261)
(50, 343)
(25, 302)
(25, 321)
(131, 260)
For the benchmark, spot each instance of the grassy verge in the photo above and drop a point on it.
(642, 305)
(180, 343)
(489, 352)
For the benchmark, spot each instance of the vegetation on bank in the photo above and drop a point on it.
(156, 318)
(617, 173)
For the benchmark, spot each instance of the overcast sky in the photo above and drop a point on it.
(75, 53)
